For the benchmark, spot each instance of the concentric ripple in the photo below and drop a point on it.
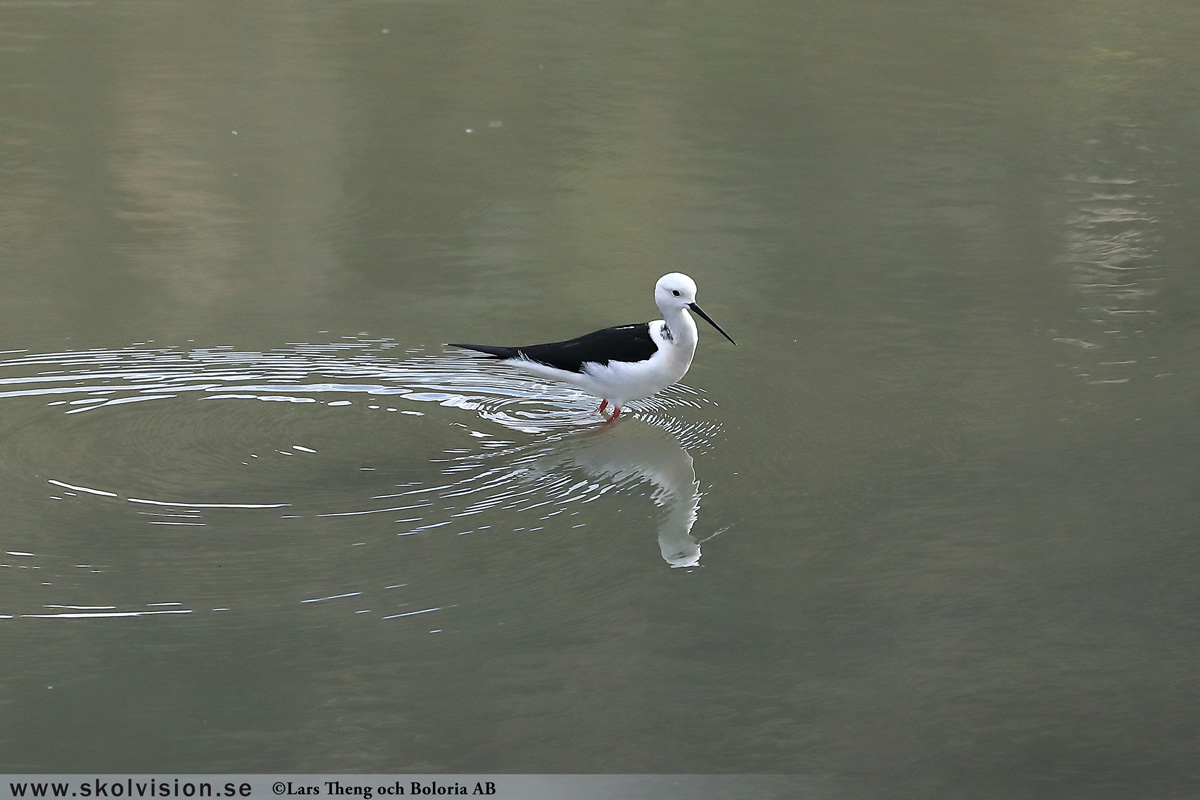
(216, 467)
(84, 381)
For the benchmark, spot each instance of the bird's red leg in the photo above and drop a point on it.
(616, 412)
(603, 405)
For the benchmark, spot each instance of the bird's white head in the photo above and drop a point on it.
(674, 290)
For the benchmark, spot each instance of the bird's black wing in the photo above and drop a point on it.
(626, 343)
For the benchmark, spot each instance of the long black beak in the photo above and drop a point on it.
(709, 320)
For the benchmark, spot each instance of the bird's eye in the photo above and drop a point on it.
(675, 292)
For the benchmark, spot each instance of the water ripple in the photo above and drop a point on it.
(1112, 257)
(307, 373)
(239, 454)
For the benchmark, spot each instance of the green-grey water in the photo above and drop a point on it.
(929, 529)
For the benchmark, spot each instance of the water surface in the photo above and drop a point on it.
(928, 530)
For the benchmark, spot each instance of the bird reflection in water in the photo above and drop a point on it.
(625, 455)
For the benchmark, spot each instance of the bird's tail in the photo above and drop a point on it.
(491, 350)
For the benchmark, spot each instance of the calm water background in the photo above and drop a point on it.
(929, 529)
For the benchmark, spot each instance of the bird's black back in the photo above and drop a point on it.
(627, 343)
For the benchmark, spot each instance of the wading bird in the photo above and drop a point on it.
(628, 362)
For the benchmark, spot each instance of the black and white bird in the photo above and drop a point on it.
(628, 362)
